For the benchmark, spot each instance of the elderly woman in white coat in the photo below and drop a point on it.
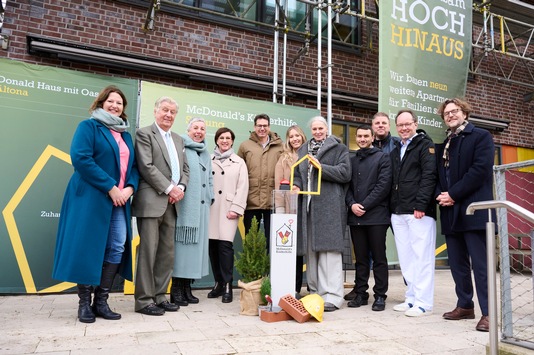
(230, 187)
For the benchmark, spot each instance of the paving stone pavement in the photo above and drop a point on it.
(47, 324)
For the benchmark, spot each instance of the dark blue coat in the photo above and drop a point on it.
(387, 144)
(471, 157)
(370, 186)
(86, 210)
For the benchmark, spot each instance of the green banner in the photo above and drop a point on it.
(222, 111)
(41, 108)
(425, 48)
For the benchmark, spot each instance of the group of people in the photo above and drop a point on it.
(397, 183)
(187, 203)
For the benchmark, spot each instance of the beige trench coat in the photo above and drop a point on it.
(230, 188)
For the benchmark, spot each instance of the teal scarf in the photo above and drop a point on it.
(188, 220)
(110, 121)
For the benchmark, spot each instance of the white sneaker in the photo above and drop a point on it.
(417, 312)
(403, 307)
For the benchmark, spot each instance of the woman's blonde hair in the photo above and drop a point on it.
(287, 154)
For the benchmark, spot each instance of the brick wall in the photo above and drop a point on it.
(117, 26)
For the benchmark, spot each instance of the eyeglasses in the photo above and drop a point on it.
(451, 112)
(262, 125)
(404, 125)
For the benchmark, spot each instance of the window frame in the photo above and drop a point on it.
(198, 13)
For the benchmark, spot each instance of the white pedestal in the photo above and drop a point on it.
(283, 250)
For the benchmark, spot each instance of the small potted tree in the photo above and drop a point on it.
(252, 264)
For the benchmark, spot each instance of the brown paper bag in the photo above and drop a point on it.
(250, 297)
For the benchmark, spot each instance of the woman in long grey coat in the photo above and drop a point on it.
(191, 241)
(322, 218)
(230, 187)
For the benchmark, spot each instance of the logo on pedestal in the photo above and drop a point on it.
(284, 236)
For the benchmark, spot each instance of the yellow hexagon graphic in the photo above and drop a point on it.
(11, 224)
(16, 240)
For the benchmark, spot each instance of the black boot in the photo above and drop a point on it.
(188, 294)
(228, 295)
(299, 273)
(178, 292)
(85, 313)
(217, 290)
(100, 303)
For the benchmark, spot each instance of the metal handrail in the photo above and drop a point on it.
(482, 205)
(490, 254)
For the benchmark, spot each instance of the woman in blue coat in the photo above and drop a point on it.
(191, 242)
(94, 233)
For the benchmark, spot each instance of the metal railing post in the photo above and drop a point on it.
(492, 286)
(490, 245)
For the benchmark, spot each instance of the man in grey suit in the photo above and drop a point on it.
(164, 175)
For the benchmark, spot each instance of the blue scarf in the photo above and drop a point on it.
(188, 220)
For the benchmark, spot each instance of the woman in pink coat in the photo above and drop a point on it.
(230, 187)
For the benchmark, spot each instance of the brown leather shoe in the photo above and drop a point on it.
(483, 324)
(460, 313)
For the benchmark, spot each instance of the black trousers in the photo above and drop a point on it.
(259, 214)
(370, 242)
(300, 273)
(222, 260)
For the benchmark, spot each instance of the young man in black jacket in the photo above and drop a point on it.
(368, 218)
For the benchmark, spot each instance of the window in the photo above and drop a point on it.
(346, 131)
(242, 9)
(498, 155)
(300, 16)
(345, 29)
(296, 14)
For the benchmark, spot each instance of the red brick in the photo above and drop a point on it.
(295, 308)
(270, 316)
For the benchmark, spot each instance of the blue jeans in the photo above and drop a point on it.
(116, 236)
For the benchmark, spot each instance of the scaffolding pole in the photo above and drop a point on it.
(493, 44)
